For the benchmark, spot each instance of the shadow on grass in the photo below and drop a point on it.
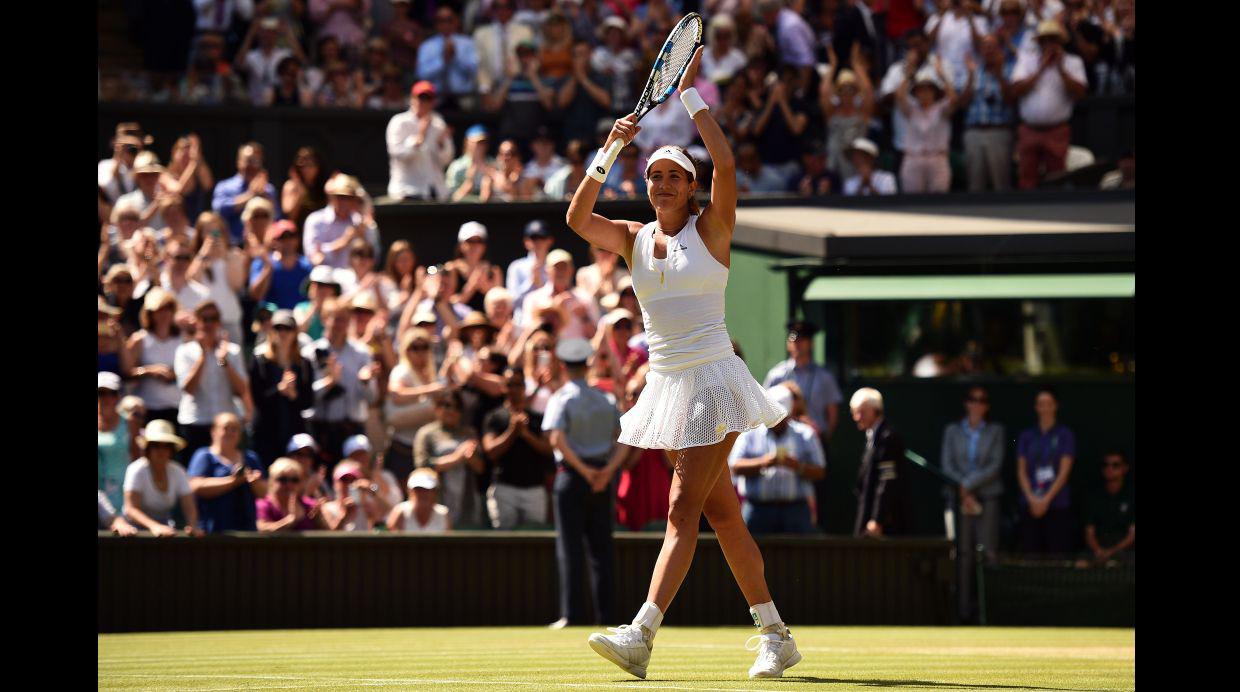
(860, 682)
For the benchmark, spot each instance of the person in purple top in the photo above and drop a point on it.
(284, 508)
(1045, 454)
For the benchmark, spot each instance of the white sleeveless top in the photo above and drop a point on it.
(681, 298)
(437, 522)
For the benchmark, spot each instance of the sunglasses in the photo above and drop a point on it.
(283, 328)
(348, 478)
(419, 347)
(183, 258)
(542, 348)
(288, 480)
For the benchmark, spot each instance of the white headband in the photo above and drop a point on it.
(674, 155)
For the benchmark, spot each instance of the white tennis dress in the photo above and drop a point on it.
(697, 390)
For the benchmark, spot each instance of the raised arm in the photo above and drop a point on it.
(719, 217)
(615, 236)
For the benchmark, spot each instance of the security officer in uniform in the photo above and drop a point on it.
(583, 425)
(883, 501)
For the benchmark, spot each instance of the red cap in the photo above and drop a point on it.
(423, 87)
(280, 228)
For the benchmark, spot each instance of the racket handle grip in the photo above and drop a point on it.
(602, 162)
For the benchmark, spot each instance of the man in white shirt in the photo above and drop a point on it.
(528, 273)
(868, 179)
(577, 312)
(419, 148)
(329, 231)
(1046, 82)
(955, 33)
(496, 44)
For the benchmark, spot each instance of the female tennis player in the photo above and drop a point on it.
(699, 395)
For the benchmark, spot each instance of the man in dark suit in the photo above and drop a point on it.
(883, 501)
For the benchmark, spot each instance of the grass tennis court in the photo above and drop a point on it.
(685, 658)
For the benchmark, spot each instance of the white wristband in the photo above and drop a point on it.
(693, 101)
(601, 165)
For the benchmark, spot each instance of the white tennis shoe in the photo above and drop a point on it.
(628, 647)
(776, 653)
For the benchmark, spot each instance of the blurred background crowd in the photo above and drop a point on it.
(829, 97)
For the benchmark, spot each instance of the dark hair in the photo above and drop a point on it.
(976, 388)
(1047, 390)
(915, 32)
(284, 62)
(1116, 453)
(450, 396)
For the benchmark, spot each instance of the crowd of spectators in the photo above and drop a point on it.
(828, 97)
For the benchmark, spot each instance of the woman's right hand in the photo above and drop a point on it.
(624, 129)
(162, 531)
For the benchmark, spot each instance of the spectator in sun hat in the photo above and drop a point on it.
(118, 291)
(147, 174)
(529, 272)
(927, 136)
(322, 283)
(330, 229)
(156, 483)
(285, 507)
(256, 219)
(279, 277)
(615, 58)
(868, 178)
(280, 385)
(422, 511)
(117, 443)
(1046, 83)
(465, 173)
(419, 146)
(448, 59)
(580, 311)
(303, 449)
(232, 195)
(151, 353)
(475, 275)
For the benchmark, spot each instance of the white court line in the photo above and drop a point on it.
(381, 682)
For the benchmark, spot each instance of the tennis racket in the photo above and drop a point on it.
(665, 75)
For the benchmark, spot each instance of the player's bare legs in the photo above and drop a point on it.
(696, 471)
(723, 511)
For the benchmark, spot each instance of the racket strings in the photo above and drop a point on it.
(683, 43)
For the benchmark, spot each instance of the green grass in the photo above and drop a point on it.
(528, 658)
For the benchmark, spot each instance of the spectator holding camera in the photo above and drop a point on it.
(210, 373)
(226, 479)
(450, 447)
(973, 453)
(344, 385)
(155, 484)
(775, 470)
(520, 456)
(354, 508)
(233, 194)
(1045, 455)
(422, 511)
(284, 507)
(1111, 513)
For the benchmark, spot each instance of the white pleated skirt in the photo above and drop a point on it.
(698, 406)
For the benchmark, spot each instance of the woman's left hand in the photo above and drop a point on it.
(691, 72)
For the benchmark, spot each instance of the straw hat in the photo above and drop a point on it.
(156, 297)
(160, 431)
(1048, 27)
(147, 162)
(846, 77)
(343, 185)
(476, 319)
(365, 300)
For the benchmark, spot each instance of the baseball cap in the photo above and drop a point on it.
(109, 380)
(537, 229)
(865, 145)
(301, 441)
(558, 255)
(574, 351)
(284, 318)
(355, 443)
(426, 479)
(424, 317)
(281, 228)
(476, 132)
(471, 229)
(423, 87)
(346, 467)
(616, 315)
(781, 395)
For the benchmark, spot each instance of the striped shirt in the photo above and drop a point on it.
(987, 106)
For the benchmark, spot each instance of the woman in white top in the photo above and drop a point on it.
(150, 352)
(421, 513)
(412, 387)
(220, 267)
(699, 395)
(929, 130)
(154, 484)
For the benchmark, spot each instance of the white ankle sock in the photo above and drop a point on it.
(649, 616)
(766, 616)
